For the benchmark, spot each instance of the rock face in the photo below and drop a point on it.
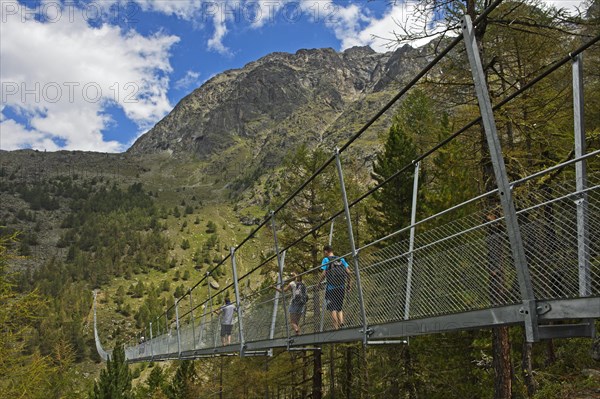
(272, 104)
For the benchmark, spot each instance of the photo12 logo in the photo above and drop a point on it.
(55, 11)
(254, 12)
(53, 92)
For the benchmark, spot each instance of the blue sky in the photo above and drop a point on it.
(95, 75)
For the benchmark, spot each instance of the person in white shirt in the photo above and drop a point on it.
(298, 301)
(226, 312)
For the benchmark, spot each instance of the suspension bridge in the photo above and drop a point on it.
(531, 260)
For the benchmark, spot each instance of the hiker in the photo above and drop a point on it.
(298, 302)
(226, 312)
(337, 274)
(142, 346)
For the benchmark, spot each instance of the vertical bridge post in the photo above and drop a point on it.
(363, 314)
(237, 301)
(210, 304)
(324, 307)
(276, 300)
(581, 184)
(280, 266)
(411, 244)
(168, 332)
(192, 320)
(151, 343)
(529, 309)
(583, 234)
(202, 323)
(177, 326)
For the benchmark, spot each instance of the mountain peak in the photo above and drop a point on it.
(361, 50)
(272, 104)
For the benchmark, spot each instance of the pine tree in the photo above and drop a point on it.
(183, 384)
(156, 379)
(211, 227)
(139, 289)
(394, 198)
(115, 380)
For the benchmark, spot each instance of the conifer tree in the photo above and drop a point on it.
(115, 380)
(23, 374)
(183, 385)
(394, 198)
(156, 379)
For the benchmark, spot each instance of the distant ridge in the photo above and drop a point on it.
(260, 111)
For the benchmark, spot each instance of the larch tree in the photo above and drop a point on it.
(516, 42)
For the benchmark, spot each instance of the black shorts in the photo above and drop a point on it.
(334, 299)
(226, 329)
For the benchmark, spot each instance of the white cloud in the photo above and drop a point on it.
(215, 43)
(217, 12)
(571, 6)
(184, 9)
(346, 25)
(14, 136)
(354, 27)
(189, 80)
(63, 75)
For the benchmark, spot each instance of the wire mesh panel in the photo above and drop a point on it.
(384, 275)
(281, 324)
(258, 311)
(314, 317)
(470, 270)
(549, 225)
(208, 317)
(187, 334)
(213, 331)
(459, 266)
(206, 337)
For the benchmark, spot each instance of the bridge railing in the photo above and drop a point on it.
(550, 235)
(451, 274)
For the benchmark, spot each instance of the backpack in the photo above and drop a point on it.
(335, 272)
(300, 295)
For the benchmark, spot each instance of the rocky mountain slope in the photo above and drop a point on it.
(252, 116)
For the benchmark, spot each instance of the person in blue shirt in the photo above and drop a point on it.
(337, 274)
